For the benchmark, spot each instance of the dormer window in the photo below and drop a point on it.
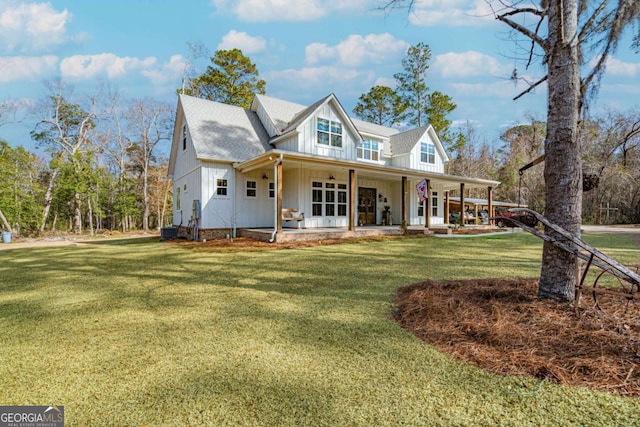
(369, 149)
(427, 153)
(329, 132)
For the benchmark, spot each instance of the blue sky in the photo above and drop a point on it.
(304, 49)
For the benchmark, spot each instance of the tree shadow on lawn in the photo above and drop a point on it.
(501, 326)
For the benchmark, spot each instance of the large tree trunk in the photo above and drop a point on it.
(48, 198)
(77, 214)
(563, 165)
(5, 223)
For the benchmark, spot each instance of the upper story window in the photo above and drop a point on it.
(184, 137)
(369, 150)
(427, 153)
(222, 186)
(329, 132)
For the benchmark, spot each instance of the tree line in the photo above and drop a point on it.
(101, 167)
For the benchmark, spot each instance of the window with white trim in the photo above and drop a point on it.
(427, 153)
(369, 149)
(420, 208)
(221, 187)
(329, 132)
(434, 203)
(184, 137)
(272, 190)
(178, 197)
(251, 188)
(328, 199)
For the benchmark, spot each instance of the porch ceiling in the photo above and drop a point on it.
(373, 171)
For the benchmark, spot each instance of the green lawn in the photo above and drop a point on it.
(148, 333)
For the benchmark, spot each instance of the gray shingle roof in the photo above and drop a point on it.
(224, 132)
(281, 112)
(403, 143)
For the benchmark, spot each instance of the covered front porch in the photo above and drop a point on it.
(335, 197)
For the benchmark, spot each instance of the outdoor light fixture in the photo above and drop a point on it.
(265, 176)
(332, 178)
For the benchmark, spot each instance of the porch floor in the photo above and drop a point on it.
(302, 234)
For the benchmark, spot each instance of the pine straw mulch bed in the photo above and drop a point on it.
(501, 326)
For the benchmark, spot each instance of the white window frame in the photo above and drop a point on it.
(434, 203)
(337, 191)
(250, 187)
(335, 138)
(271, 189)
(366, 146)
(428, 153)
(222, 184)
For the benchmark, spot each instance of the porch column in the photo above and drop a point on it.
(427, 206)
(279, 197)
(352, 199)
(462, 203)
(490, 202)
(446, 207)
(404, 201)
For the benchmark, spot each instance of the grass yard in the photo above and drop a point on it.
(148, 333)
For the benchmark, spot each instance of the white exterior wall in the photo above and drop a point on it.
(307, 137)
(186, 177)
(266, 121)
(412, 160)
(255, 211)
(217, 211)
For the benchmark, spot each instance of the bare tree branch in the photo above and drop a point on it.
(532, 87)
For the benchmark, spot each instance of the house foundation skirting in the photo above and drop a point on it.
(204, 233)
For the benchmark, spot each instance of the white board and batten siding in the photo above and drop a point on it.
(186, 181)
(254, 207)
(413, 160)
(308, 140)
(217, 210)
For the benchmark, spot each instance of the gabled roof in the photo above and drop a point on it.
(237, 133)
(403, 142)
(279, 111)
(288, 116)
(303, 115)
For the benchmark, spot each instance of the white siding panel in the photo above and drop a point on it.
(254, 211)
(266, 121)
(217, 211)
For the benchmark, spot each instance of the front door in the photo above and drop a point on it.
(366, 206)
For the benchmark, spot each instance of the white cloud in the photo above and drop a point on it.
(90, 66)
(318, 77)
(616, 67)
(243, 41)
(468, 64)
(451, 13)
(169, 72)
(284, 10)
(15, 68)
(357, 50)
(32, 26)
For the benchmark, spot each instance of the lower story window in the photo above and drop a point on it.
(221, 187)
(252, 189)
(434, 204)
(328, 199)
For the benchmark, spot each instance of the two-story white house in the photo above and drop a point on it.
(235, 169)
